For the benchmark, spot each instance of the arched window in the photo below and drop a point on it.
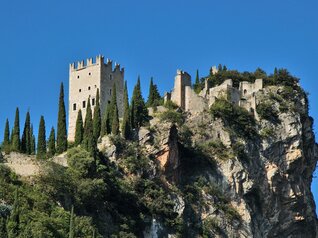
(245, 91)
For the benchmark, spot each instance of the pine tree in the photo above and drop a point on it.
(139, 112)
(61, 137)
(115, 122)
(6, 138)
(126, 128)
(41, 149)
(154, 98)
(15, 142)
(32, 141)
(79, 129)
(51, 144)
(71, 230)
(197, 85)
(97, 118)
(88, 138)
(13, 225)
(26, 138)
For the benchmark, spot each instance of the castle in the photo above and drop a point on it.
(185, 97)
(85, 80)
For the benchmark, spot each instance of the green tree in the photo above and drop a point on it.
(108, 114)
(15, 142)
(51, 144)
(3, 228)
(61, 137)
(13, 225)
(6, 138)
(126, 128)
(79, 129)
(71, 228)
(32, 140)
(154, 98)
(26, 138)
(115, 122)
(197, 85)
(88, 137)
(139, 112)
(97, 118)
(41, 149)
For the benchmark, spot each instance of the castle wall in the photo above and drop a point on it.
(247, 88)
(193, 102)
(84, 80)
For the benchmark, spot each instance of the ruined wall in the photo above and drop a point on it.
(182, 80)
(193, 102)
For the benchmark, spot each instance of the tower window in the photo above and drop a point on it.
(74, 107)
(110, 77)
(80, 90)
(108, 102)
(93, 101)
(84, 104)
(89, 88)
(95, 86)
(89, 73)
(245, 91)
(110, 92)
(78, 76)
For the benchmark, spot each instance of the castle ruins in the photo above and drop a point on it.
(85, 80)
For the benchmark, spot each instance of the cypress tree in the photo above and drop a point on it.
(108, 114)
(79, 130)
(139, 112)
(32, 141)
(26, 138)
(6, 138)
(126, 129)
(41, 149)
(154, 98)
(13, 225)
(61, 137)
(97, 118)
(71, 230)
(88, 138)
(197, 85)
(51, 144)
(15, 143)
(115, 122)
(105, 122)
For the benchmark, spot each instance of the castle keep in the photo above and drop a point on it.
(85, 80)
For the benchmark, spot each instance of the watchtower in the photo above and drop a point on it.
(85, 80)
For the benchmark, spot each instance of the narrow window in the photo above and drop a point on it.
(84, 104)
(74, 107)
(110, 92)
(95, 86)
(93, 101)
(89, 73)
(110, 77)
(245, 91)
(108, 102)
(80, 90)
(78, 76)
(89, 88)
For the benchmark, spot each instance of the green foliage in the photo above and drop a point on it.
(126, 126)
(51, 144)
(26, 136)
(79, 129)
(154, 98)
(267, 132)
(115, 122)
(41, 149)
(139, 111)
(170, 105)
(71, 232)
(97, 118)
(6, 138)
(89, 142)
(216, 148)
(236, 118)
(13, 225)
(32, 141)
(61, 137)
(172, 116)
(15, 141)
(185, 135)
(267, 111)
(198, 85)
(283, 78)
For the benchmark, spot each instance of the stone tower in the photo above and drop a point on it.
(85, 79)
(178, 95)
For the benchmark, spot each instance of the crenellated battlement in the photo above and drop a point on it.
(99, 60)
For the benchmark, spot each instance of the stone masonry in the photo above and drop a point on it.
(85, 80)
(185, 97)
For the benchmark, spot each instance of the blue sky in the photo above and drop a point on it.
(39, 39)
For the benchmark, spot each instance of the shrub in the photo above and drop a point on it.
(266, 111)
(172, 116)
(170, 105)
(237, 118)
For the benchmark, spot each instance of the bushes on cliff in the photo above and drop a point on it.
(238, 119)
(172, 116)
(267, 111)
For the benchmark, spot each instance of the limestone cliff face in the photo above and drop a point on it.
(254, 186)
